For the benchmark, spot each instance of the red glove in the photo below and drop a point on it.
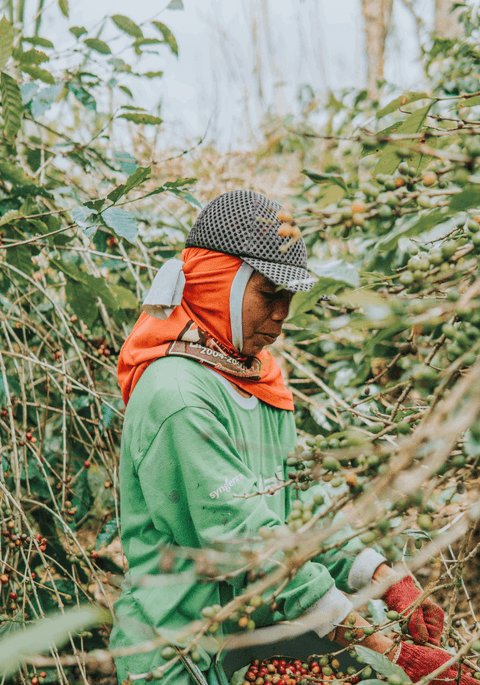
(418, 661)
(426, 622)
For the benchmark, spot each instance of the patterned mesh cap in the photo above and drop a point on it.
(245, 224)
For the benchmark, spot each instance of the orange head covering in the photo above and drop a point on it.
(205, 302)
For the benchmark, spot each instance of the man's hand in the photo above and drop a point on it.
(419, 661)
(426, 622)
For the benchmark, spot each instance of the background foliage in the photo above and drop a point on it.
(389, 204)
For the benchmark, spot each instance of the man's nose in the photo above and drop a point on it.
(280, 310)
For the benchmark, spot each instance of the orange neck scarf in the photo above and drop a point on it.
(199, 328)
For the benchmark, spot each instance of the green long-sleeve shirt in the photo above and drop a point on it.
(190, 442)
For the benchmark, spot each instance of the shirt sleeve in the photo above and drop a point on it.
(188, 476)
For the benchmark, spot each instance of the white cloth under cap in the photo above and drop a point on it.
(166, 291)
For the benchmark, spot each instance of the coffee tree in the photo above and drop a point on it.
(381, 354)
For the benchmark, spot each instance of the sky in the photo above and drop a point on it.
(239, 59)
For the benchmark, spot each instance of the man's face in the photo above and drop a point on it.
(264, 310)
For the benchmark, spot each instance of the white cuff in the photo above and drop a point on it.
(332, 609)
(363, 568)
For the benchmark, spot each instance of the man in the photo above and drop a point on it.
(209, 417)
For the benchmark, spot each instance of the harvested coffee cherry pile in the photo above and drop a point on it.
(293, 671)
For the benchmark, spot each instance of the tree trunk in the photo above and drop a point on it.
(377, 15)
(446, 22)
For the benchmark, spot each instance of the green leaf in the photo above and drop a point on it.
(238, 678)
(389, 159)
(125, 298)
(98, 45)
(175, 5)
(108, 533)
(326, 178)
(340, 271)
(469, 102)
(87, 220)
(77, 31)
(6, 41)
(34, 57)
(140, 118)
(127, 91)
(37, 73)
(401, 101)
(153, 74)
(13, 174)
(416, 534)
(44, 99)
(83, 96)
(168, 36)
(380, 663)
(12, 107)
(469, 197)
(127, 25)
(82, 301)
(175, 187)
(63, 7)
(121, 222)
(20, 257)
(95, 287)
(125, 161)
(140, 175)
(45, 633)
(38, 40)
(409, 229)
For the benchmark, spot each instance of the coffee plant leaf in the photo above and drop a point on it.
(13, 174)
(98, 45)
(380, 663)
(64, 8)
(139, 176)
(416, 534)
(338, 270)
(389, 160)
(38, 40)
(125, 298)
(401, 101)
(468, 198)
(46, 633)
(409, 229)
(92, 286)
(43, 99)
(121, 222)
(20, 256)
(83, 96)
(324, 178)
(6, 41)
(32, 57)
(38, 73)
(168, 36)
(469, 102)
(125, 161)
(238, 678)
(127, 25)
(82, 301)
(141, 118)
(109, 532)
(77, 31)
(12, 106)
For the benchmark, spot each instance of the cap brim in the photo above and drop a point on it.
(292, 278)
